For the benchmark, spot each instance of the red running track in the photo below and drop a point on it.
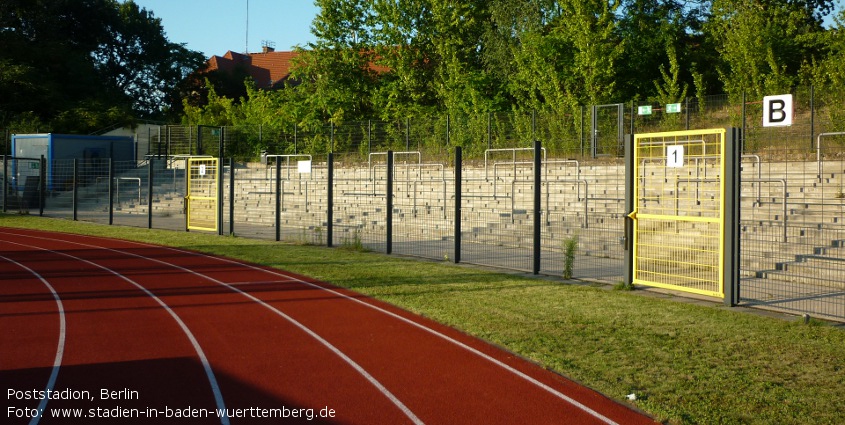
(123, 332)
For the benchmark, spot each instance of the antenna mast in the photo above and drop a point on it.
(246, 47)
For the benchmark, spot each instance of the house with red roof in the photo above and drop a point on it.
(269, 69)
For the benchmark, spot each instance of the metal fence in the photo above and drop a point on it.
(485, 204)
(594, 131)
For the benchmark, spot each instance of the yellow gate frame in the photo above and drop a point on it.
(202, 195)
(679, 211)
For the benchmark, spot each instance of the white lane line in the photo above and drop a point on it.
(261, 282)
(445, 337)
(212, 380)
(378, 385)
(436, 333)
(60, 347)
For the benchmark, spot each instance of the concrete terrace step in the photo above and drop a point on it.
(812, 270)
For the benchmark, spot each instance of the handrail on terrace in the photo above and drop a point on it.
(819, 148)
(265, 159)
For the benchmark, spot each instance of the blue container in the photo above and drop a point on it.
(90, 150)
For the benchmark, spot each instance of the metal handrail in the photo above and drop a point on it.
(513, 151)
(117, 184)
(395, 154)
(287, 158)
(819, 149)
(586, 198)
(781, 181)
(415, 182)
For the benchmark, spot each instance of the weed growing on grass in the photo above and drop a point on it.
(318, 235)
(570, 245)
(623, 286)
(353, 244)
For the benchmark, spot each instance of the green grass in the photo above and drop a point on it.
(687, 363)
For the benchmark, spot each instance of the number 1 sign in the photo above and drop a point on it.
(675, 156)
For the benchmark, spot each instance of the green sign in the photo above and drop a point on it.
(644, 110)
(673, 108)
(34, 165)
(215, 131)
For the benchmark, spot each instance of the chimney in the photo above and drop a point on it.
(267, 46)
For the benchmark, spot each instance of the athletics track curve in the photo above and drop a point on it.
(174, 336)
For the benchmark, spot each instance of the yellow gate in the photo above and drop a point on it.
(202, 196)
(679, 211)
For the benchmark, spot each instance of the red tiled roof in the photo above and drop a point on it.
(269, 69)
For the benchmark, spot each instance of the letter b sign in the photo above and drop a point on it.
(777, 111)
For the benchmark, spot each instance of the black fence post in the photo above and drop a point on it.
(111, 191)
(231, 196)
(220, 170)
(75, 198)
(199, 140)
(458, 178)
(732, 263)
(278, 199)
(330, 201)
(389, 196)
(150, 176)
(187, 199)
(6, 183)
(742, 135)
(538, 207)
(812, 115)
(628, 238)
(42, 184)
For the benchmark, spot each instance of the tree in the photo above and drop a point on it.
(336, 71)
(45, 44)
(591, 28)
(81, 65)
(827, 73)
(404, 47)
(763, 45)
(650, 29)
(670, 89)
(141, 63)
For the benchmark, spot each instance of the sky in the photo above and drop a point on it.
(214, 27)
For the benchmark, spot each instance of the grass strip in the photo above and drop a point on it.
(687, 363)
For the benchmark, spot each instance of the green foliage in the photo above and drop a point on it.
(352, 243)
(570, 246)
(828, 74)
(762, 49)
(81, 65)
(623, 286)
(670, 89)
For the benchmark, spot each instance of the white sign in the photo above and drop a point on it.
(777, 111)
(675, 156)
(202, 169)
(673, 108)
(644, 110)
(303, 166)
